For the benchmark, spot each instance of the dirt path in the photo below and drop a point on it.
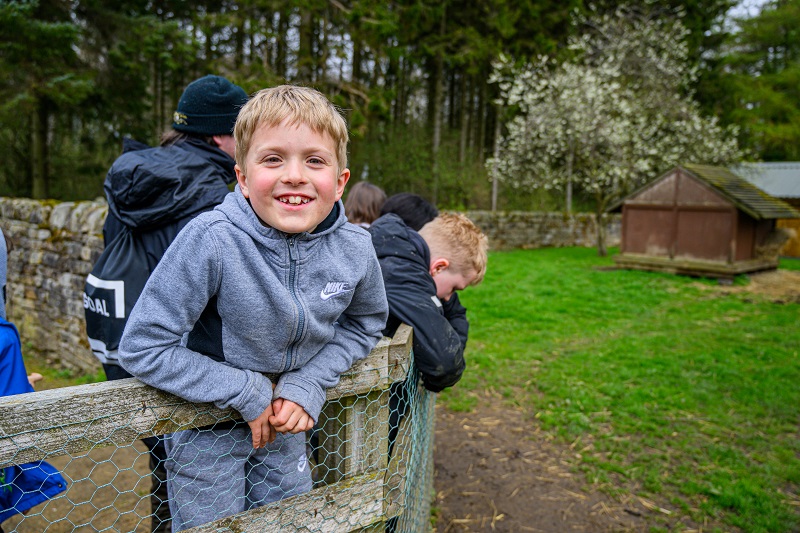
(496, 472)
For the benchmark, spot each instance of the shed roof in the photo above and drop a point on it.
(740, 192)
(781, 180)
(743, 194)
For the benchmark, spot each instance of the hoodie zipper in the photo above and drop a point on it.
(301, 316)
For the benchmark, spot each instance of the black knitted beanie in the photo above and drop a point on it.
(209, 106)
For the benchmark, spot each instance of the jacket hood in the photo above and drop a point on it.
(152, 187)
(239, 211)
(391, 237)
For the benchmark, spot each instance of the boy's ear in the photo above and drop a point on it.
(241, 179)
(341, 181)
(439, 264)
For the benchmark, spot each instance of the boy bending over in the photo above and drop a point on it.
(273, 290)
(422, 273)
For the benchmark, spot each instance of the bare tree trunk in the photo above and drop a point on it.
(464, 126)
(480, 122)
(393, 76)
(320, 50)
(305, 54)
(451, 99)
(377, 72)
(402, 92)
(161, 105)
(209, 52)
(437, 133)
(238, 56)
(601, 227)
(280, 44)
(438, 90)
(358, 52)
(496, 155)
(253, 30)
(40, 152)
(570, 158)
(264, 49)
(154, 82)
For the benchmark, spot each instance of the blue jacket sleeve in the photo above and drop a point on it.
(27, 485)
(13, 376)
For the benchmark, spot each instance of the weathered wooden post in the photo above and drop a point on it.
(353, 432)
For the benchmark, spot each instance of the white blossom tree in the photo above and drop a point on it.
(617, 113)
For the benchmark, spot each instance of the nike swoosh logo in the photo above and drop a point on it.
(328, 295)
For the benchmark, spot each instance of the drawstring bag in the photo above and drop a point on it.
(111, 291)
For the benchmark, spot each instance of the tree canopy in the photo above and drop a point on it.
(412, 77)
(753, 81)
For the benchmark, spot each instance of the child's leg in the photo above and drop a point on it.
(205, 475)
(278, 471)
(161, 521)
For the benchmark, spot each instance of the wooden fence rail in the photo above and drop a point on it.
(362, 488)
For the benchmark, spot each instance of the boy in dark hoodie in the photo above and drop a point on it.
(423, 272)
(276, 294)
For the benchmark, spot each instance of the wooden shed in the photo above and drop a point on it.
(701, 220)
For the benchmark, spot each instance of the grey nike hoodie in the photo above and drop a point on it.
(305, 306)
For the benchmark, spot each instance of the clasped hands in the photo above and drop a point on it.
(282, 416)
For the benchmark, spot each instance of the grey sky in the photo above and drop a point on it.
(746, 8)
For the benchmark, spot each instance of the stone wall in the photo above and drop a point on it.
(522, 229)
(56, 244)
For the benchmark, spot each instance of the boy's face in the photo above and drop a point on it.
(292, 177)
(448, 280)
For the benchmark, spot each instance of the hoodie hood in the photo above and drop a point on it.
(153, 187)
(391, 237)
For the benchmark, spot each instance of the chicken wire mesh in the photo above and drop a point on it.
(348, 474)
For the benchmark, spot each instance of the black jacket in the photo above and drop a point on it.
(154, 192)
(440, 328)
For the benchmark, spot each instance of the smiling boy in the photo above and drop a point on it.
(274, 289)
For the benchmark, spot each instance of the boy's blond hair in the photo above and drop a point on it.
(298, 105)
(456, 238)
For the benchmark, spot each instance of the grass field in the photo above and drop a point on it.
(666, 387)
